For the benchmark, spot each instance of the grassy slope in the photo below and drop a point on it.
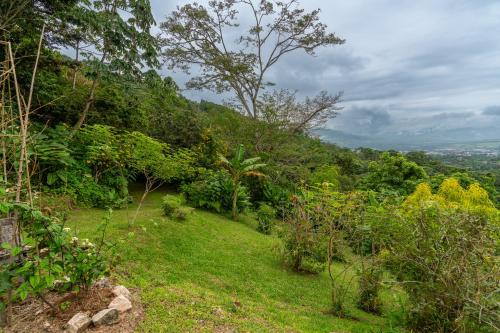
(191, 274)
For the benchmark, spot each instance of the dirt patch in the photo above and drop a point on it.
(33, 315)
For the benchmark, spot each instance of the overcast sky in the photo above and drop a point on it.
(406, 64)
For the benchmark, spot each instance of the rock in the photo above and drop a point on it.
(120, 303)
(47, 327)
(121, 290)
(78, 323)
(103, 283)
(106, 317)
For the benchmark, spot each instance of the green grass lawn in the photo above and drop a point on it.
(211, 274)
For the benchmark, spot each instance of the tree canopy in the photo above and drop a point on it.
(200, 36)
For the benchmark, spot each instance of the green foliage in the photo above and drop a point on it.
(277, 197)
(369, 283)
(238, 168)
(265, 216)
(445, 255)
(326, 174)
(56, 259)
(181, 213)
(170, 204)
(156, 160)
(172, 207)
(393, 173)
(94, 170)
(91, 170)
(214, 191)
(304, 243)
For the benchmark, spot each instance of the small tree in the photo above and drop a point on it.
(239, 168)
(156, 162)
(195, 35)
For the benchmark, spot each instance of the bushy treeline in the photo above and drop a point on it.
(440, 247)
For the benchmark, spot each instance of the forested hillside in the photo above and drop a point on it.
(219, 218)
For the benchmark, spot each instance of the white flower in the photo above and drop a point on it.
(74, 239)
(67, 229)
(67, 278)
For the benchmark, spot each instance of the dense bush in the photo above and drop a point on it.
(370, 276)
(304, 243)
(172, 207)
(169, 204)
(277, 197)
(78, 183)
(393, 173)
(445, 255)
(265, 216)
(214, 192)
(90, 169)
(326, 174)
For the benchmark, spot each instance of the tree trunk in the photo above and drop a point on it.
(89, 101)
(147, 189)
(144, 195)
(86, 109)
(235, 201)
(76, 62)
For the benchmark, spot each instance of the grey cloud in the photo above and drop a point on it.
(452, 115)
(362, 120)
(492, 111)
(406, 64)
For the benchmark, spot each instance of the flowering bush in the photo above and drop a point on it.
(446, 257)
(51, 258)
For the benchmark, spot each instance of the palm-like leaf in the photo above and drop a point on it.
(224, 160)
(240, 152)
(253, 167)
(250, 161)
(238, 168)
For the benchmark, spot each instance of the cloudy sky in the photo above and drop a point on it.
(406, 66)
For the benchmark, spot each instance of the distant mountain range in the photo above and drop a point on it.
(425, 139)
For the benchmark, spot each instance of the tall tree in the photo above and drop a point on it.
(195, 35)
(119, 41)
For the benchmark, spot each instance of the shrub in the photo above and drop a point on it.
(326, 174)
(445, 256)
(265, 216)
(369, 285)
(181, 213)
(69, 263)
(277, 197)
(214, 192)
(78, 183)
(304, 243)
(90, 169)
(393, 173)
(170, 204)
